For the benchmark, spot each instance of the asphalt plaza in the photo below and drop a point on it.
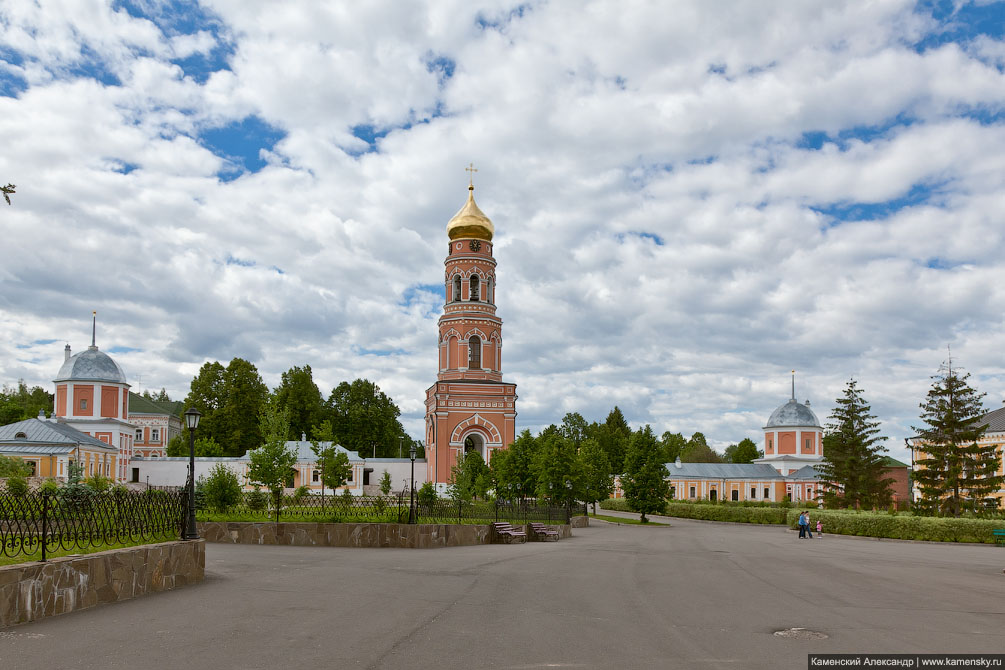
(689, 595)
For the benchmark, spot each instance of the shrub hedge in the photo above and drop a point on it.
(837, 522)
(901, 527)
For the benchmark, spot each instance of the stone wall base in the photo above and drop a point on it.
(370, 535)
(32, 591)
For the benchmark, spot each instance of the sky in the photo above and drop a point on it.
(691, 199)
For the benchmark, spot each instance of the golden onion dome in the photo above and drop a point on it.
(470, 221)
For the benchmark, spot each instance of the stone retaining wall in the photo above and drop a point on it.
(418, 536)
(32, 591)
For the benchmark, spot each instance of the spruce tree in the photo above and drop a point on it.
(853, 466)
(953, 471)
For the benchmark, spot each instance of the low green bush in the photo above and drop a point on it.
(736, 514)
(17, 485)
(901, 526)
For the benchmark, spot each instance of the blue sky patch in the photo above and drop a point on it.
(239, 143)
(419, 294)
(652, 237)
(960, 23)
(369, 134)
(35, 343)
(920, 194)
(378, 352)
(233, 260)
(123, 350)
(442, 66)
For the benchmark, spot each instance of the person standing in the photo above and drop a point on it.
(809, 531)
(802, 525)
(820, 528)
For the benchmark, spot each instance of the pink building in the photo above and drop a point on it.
(92, 395)
(470, 407)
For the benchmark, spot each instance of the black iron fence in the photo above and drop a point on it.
(37, 524)
(261, 506)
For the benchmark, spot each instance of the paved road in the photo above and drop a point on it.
(691, 595)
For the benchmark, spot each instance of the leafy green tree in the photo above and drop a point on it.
(272, 463)
(852, 471)
(162, 396)
(644, 481)
(204, 447)
(245, 397)
(8, 191)
(470, 478)
(513, 468)
(301, 397)
(231, 400)
(954, 472)
(556, 470)
(332, 462)
(222, 489)
(206, 395)
(744, 452)
(385, 483)
(698, 451)
(673, 446)
(597, 481)
(365, 419)
(574, 428)
(13, 467)
(21, 402)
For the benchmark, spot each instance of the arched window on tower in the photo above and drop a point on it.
(457, 288)
(474, 353)
(488, 290)
(473, 288)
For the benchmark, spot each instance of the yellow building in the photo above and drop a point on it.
(48, 447)
(994, 435)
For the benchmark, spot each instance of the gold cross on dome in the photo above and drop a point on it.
(471, 170)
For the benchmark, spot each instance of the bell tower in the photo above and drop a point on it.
(470, 407)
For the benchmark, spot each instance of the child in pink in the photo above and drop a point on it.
(820, 527)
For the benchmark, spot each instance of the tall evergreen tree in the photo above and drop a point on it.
(644, 480)
(952, 469)
(613, 436)
(852, 471)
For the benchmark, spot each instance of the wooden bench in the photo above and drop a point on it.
(999, 535)
(506, 534)
(544, 533)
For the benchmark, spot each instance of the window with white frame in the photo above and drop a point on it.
(315, 476)
(139, 434)
(753, 493)
(155, 435)
(692, 492)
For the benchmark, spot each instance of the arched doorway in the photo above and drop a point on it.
(474, 442)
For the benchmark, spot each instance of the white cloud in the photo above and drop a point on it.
(593, 131)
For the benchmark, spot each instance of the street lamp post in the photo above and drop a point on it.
(192, 416)
(568, 509)
(411, 489)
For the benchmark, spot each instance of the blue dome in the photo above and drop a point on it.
(91, 365)
(793, 413)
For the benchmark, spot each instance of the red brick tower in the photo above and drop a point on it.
(470, 407)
